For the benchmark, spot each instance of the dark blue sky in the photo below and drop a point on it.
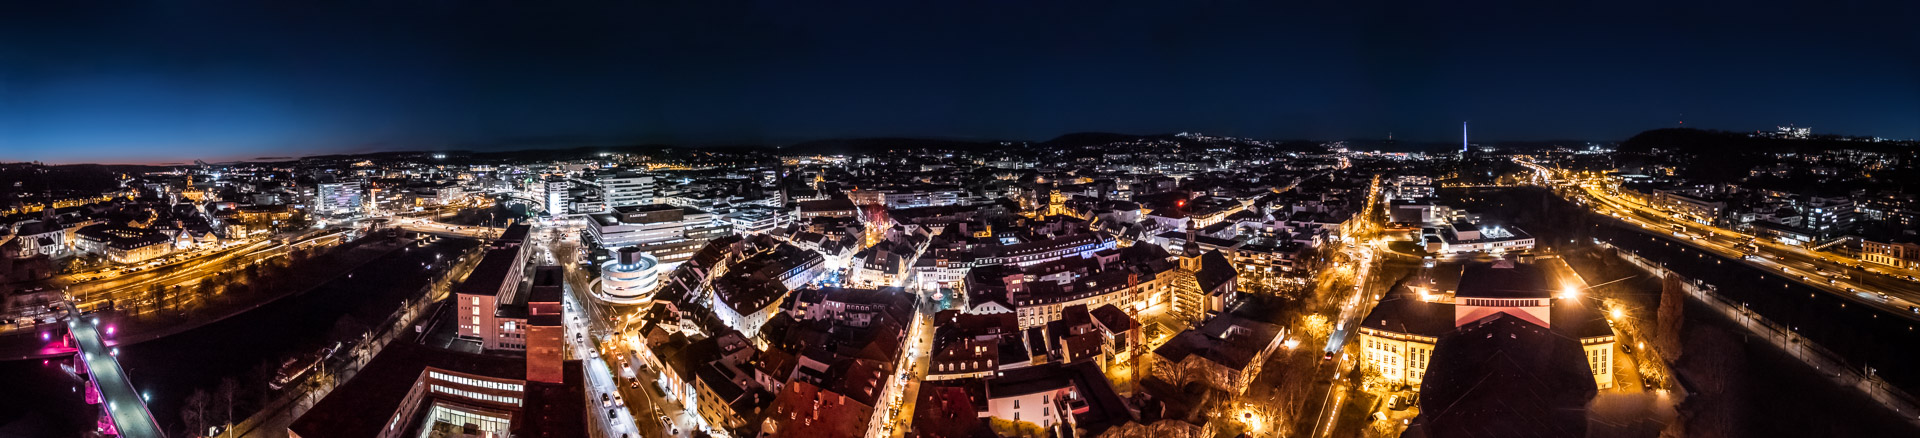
(178, 80)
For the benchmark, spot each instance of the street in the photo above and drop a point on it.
(1878, 285)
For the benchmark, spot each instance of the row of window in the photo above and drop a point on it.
(968, 365)
(477, 396)
(488, 424)
(1503, 303)
(1390, 356)
(436, 375)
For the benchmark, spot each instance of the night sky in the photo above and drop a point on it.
(172, 81)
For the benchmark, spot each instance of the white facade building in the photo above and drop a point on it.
(555, 191)
(339, 199)
(627, 189)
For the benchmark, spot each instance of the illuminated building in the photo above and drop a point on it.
(630, 277)
(1462, 238)
(411, 390)
(627, 189)
(342, 199)
(1398, 337)
(1899, 253)
(670, 234)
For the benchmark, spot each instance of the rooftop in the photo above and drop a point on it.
(1505, 377)
(1504, 279)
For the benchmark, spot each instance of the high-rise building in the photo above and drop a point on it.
(340, 199)
(555, 189)
(627, 189)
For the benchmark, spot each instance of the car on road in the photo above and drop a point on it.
(606, 402)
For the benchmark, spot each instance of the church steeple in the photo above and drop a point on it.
(1190, 253)
(1192, 248)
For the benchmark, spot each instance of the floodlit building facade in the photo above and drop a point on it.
(1399, 335)
(627, 189)
(341, 199)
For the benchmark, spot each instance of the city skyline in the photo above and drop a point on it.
(858, 219)
(1100, 286)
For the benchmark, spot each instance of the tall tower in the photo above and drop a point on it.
(1463, 138)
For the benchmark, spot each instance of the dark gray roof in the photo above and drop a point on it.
(1504, 279)
(1505, 377)
(1215, 270)
(1401, 311)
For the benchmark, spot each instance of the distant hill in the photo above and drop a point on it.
(871, 145)
(1082, 139)
(18, 179)
(1079, 139)
(1710, 142)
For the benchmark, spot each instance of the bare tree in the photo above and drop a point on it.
(207, 290)
(193, 414)
(259, 375)
(228, 389)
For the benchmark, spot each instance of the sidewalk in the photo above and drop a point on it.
(1799, 347)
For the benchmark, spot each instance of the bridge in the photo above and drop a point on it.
(123, 412)
(533, 204)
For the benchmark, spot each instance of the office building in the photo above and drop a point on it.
(492, 285)
(411, 390)
(627, 189)
(338, 200)
(670, 234)
(554, 193)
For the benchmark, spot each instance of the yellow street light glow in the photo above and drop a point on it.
(1616, 313)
